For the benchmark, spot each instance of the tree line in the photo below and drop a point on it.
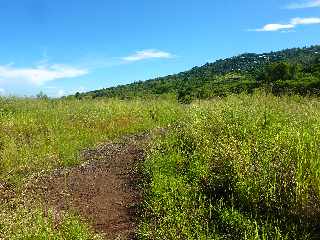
(288, 71)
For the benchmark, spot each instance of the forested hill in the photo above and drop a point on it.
(233, 74)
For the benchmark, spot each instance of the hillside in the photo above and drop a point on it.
(235, 74)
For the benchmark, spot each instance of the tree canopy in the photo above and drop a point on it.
(291, 70)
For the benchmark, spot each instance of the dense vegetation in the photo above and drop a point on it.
(240, 167)
(40, 135)
(232, 75)
(243, 167)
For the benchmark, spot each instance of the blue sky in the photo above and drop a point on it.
(60, 47)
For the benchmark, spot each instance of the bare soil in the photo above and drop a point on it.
(103, 190)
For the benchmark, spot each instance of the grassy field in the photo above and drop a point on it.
(37, 136)
(40, 135)
(240, 167)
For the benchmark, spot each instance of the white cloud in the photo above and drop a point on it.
(38, 75)
(304, 4)
(305, 21)
(147, 54)
(273, 27)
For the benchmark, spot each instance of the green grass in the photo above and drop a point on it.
(242, 167)
(35, 224)
(37, 136)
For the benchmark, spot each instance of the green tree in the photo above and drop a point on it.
(278, 71)
(42, 95)
(78, 96)
(184, 96)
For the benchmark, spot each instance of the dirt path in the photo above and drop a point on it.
(103, 190)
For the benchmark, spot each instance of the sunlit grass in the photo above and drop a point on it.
(240, 167)
(37, 136)
(243, 167)
(35, 224)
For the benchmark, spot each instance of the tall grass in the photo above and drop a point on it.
(35, 224)
(37, 136)
(242, 167)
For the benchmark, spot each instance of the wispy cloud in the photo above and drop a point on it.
(147, 54)
(304, 4)
(273, 27)
(38, 75)
(305, 21)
